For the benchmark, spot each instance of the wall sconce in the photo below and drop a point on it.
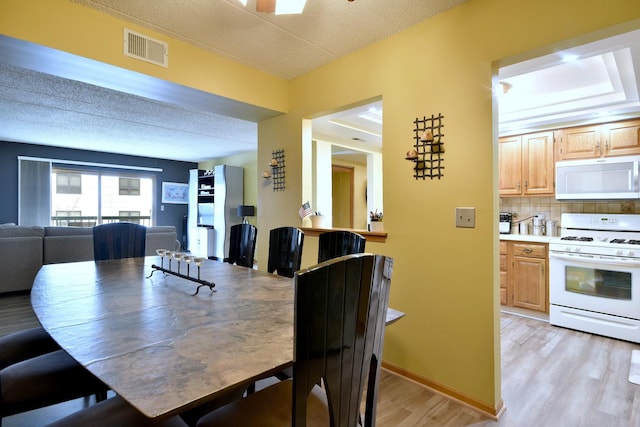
(246, 210)
(277, 170)
(427, 154)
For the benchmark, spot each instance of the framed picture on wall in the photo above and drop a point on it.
(175, 192)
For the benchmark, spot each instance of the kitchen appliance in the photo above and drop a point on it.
(538, 227)
(550, 227)
(602, 178)
(594, 275)
(505, 222)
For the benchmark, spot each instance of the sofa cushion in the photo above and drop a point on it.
(161, 237)
(68, 231)
(59, 249)
(22, 258)
(21, 231)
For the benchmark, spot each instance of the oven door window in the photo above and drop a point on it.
(597, 282)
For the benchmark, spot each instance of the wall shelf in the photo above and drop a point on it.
(428, 148)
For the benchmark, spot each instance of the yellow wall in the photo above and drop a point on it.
(445, 278)
(67, 26)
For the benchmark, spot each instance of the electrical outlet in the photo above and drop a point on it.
(466, 217)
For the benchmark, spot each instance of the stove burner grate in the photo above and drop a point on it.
(578, 239)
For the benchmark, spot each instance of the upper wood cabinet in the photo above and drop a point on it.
(611, 139)
(527, 164)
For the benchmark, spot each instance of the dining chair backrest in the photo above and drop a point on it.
(333, 244)
(285, 250)
(339, 323)
(242, 245)
(118, 240)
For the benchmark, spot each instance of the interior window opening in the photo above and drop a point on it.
(342, 155)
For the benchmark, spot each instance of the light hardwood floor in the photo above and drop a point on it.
(551, 377)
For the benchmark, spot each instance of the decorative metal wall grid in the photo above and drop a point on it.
(429, 147)
(277, 170)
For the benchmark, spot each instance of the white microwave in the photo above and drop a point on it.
(602, 178)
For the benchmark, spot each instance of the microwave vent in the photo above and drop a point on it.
(145, 48)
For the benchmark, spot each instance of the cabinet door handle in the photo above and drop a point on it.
(527, 250)
(526, 184)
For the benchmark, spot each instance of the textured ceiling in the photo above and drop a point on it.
(284, 45)
(53, 98)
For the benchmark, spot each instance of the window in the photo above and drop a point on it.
(105, 197)
(71, 193)
(129, 187)
(130, 216)
(68, 183)
(69, 219)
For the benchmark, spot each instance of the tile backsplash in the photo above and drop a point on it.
(524, 207)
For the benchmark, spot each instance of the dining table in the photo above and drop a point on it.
(159, 338)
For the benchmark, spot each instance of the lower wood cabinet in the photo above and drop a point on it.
(503, 272)
(525, 275)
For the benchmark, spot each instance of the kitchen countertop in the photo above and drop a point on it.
(526, 238)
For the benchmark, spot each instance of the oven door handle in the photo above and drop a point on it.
(601, 259)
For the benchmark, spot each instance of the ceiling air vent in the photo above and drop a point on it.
(145, 48)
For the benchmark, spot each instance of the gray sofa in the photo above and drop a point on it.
(24, 249)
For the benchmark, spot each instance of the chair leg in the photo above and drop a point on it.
(250, 390)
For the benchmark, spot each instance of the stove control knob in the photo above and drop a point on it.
(619, 252)
(578, 250)
(631, 253)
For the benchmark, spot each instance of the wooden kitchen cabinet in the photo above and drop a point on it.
(523, 275)
(529, 276)
(611, 139)
(504, 268)
(527, 165)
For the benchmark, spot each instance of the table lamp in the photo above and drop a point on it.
(246, 210)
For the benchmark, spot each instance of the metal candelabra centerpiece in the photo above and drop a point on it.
(180, 257)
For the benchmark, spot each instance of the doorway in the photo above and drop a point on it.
(342, 181)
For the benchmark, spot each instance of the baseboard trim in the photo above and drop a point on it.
(491, 412)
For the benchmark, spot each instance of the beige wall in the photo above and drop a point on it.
(445, 278)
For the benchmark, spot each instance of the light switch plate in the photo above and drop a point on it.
(466, 217)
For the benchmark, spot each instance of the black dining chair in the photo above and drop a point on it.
(113, 412)
(285, 250)
(242, 245)
(50, 378)
(339, 323)
(25, 344)
(333, 244)
(119, 240)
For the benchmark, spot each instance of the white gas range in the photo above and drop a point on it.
(594, 275)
